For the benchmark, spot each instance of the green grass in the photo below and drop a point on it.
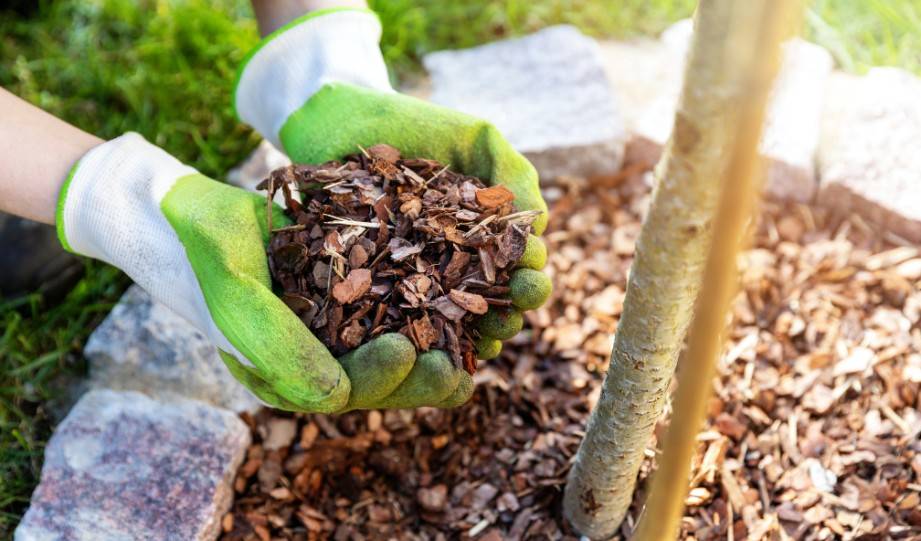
(37, 346)
(865, 33)
(158, 68)
(414, 27)
(164, 68)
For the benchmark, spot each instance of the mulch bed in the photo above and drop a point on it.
(813, 432)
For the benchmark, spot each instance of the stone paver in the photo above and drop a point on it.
(144, 346)
(794, 120)
(868, 158)
(638, 71)
(123, 466)
(547, 93)
(648, 76)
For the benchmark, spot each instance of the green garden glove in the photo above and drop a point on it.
(318, 88)
(198, 246)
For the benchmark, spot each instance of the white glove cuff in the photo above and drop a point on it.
(295, 62)
(110, 210)
(112, 196)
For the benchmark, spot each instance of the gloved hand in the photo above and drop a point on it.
(318, 88)
(198, 246)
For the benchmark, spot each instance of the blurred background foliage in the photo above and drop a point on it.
(164, 68)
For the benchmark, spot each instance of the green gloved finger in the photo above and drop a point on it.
(488, 348)
(377, 368)
(256, 384)
(432, 380)
(535, 254)
(500, 323)
(529, 289)
(222, 231)
(340, 116)
(461, 394)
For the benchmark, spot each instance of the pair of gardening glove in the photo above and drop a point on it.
(318, 88)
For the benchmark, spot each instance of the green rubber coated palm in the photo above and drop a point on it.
(224, 232)
(341, 117)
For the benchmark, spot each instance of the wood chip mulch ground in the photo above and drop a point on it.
(813, 433)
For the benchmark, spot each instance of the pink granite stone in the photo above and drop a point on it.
(124, 466)
(868, 159)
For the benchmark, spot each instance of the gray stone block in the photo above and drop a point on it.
(638, 71)
(648, 77)
(793, 122)
(144, 346)
(868, 158)
(546, 92)
(123, 466)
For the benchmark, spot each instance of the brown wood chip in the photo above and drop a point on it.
(469, 301)
(447, 307)
(356, 284)
(424, 332)
(494, 196)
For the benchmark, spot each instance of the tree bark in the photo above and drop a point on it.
(667, 270)
(759, 52)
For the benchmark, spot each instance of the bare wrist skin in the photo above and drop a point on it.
(273, 14)
(37, 151)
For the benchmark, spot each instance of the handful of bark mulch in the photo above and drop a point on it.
(387, 244)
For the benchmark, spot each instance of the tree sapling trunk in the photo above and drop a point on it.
(754, 37)
(664, 280)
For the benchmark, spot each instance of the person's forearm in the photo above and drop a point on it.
(37, 151)
(273, 14)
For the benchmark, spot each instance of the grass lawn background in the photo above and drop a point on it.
(165, 69)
